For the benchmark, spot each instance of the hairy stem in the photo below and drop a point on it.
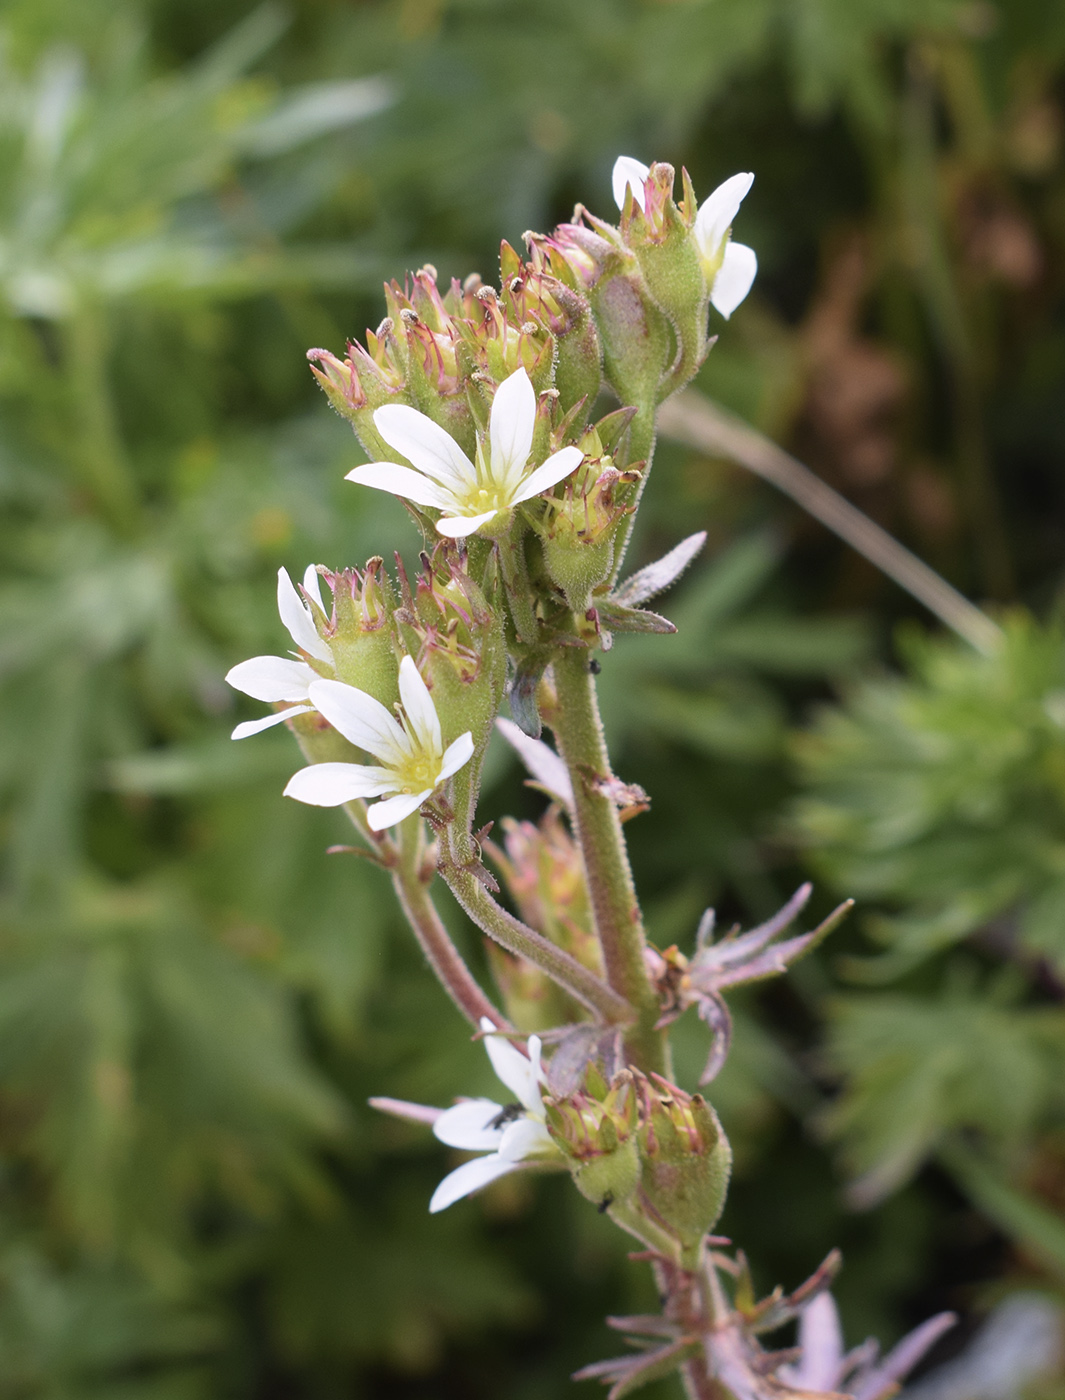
(411, 874)
(462, 859)
(618, 921)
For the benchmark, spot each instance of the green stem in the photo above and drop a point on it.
(411, 875)
(462, 858)
(618, 921)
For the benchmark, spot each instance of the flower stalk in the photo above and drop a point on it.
(412, 867)
(615, 908)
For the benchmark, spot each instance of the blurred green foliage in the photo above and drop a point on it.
(195, 1000)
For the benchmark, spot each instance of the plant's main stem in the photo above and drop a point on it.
(412, 890)
(618, 921)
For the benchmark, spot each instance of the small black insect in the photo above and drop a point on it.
(594, 666)
(605, 1204)
(508, 1114)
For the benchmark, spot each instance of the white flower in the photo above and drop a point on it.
(273, 678)
(470, 494)
(513, 1136)
(730, 267)
(412, 756)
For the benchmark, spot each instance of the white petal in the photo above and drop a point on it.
(467, 1125)
(510, 425)
(362, 720)
(256, 726)
(419, 708)
(629, 172)
(272, 678)
(718, 210)
(332, 784)
(517, 1072)
(558, 466)
(470, 1177)
(457, 527)
(734, 277)
(425, 445)
(297, 619)
(312, 585)
(455, 755)
(525, 1138)
(540, 759)
(395, 809)
(401, 481)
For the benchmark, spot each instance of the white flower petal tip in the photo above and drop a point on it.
(456, 755)
(718, 210)
(312, 585)
(395, 809)
(734, 279)
(401, 481)
(557, 467)
(418, 707)
(256, 726)
(510, 428)
(333, 784)
(467, 1179)
(458, 527)
(299, 621)
(628, 174)
(520, 1073)
(272, 678)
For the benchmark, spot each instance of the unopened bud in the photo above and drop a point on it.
(359, 631)
(457, 636)
(597, 1138)
(686, 1160)
(580, 529)
(660, 234)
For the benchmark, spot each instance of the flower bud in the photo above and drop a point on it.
(359, 630)
(457, 637)
(637, 340)
(534, 295)
(430, 336)
(363, 382)
(597, 1137)
(660, 234)
(686, 1160)
(579, 530)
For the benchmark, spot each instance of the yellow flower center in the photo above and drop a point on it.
(485, 498)
(419, 773)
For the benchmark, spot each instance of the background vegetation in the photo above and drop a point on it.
(195, 1000)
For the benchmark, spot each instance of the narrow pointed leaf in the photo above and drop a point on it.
(657, 577)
